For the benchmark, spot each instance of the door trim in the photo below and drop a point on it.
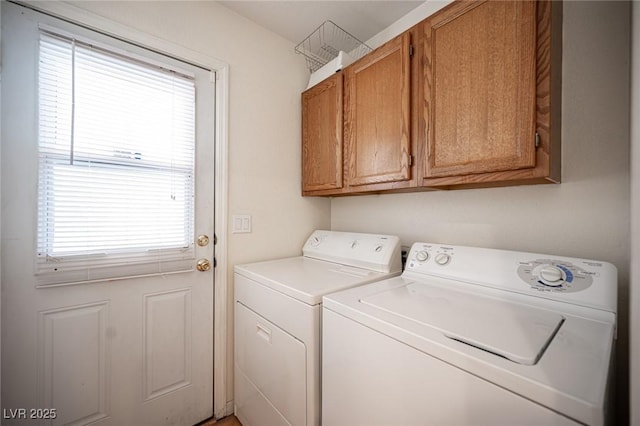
(101, 24)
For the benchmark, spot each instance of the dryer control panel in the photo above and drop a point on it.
(583, 282)
(369, 251)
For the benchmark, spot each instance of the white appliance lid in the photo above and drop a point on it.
(515, 331)
(308, 279)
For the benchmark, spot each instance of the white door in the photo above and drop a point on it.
(132, 350)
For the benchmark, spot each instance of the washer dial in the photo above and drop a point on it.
(554, 275)
(422, 255)
(442, 258)
(551, 274)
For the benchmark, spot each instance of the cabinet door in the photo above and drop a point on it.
(377, 115)
(322, 164)
(480, 88)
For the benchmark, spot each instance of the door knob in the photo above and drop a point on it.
(203, 265)
(203, 240)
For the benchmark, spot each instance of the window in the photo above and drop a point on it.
(116, 163)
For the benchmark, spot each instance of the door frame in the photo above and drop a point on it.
(84, 18)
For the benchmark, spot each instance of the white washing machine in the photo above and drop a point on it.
(278, 322)
(472, 336)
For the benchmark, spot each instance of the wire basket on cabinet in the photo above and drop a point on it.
(324, 44)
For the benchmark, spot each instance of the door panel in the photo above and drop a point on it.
(167, 342)
(127, 351)
(75, 378)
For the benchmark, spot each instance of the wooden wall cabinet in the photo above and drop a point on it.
(378, 142)
(469, 97)
(322, 135)
(357, 128)
(487, 89)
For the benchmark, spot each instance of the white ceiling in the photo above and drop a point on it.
(296, 19)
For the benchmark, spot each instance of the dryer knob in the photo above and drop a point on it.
(442, 258)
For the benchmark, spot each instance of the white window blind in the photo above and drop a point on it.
(116, 164)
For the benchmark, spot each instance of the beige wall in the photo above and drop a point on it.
(585, 216)
(266, 78)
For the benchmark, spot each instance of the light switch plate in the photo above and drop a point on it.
(241, 224)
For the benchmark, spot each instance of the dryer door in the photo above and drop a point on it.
(270, 372)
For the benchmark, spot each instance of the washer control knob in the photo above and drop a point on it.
(442, 259)
(551, 274)
(422, 256)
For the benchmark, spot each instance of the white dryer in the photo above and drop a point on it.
(278, 322)
(471, 336)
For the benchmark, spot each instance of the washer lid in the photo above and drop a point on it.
(515, 331)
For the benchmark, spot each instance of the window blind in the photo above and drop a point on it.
(116, 164)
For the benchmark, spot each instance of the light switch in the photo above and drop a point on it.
(241, 223)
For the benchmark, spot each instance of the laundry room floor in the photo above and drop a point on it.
(227, 421)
